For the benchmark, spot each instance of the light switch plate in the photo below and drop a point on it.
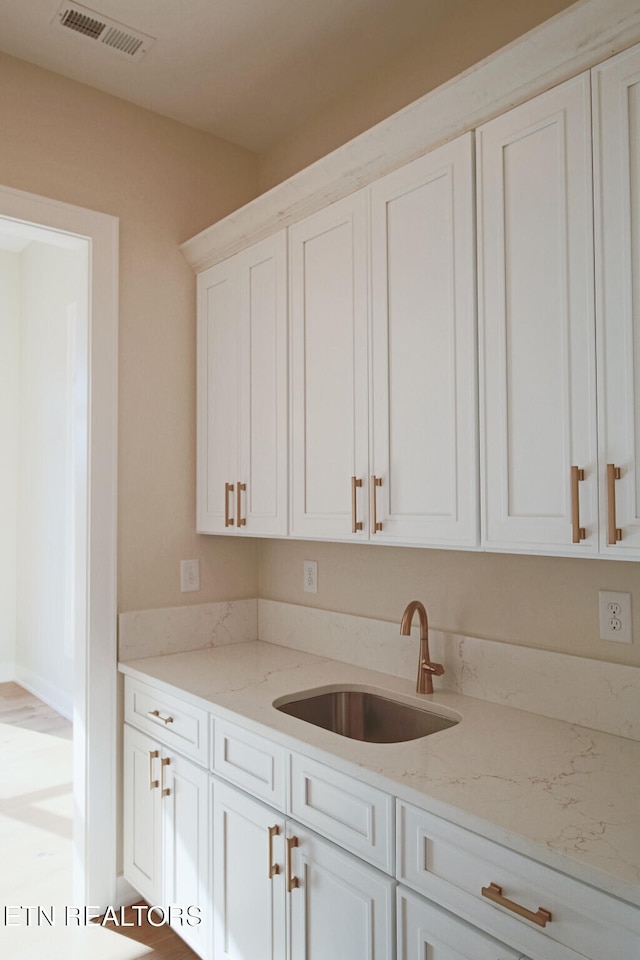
(189, 575)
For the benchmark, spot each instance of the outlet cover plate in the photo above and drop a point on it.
(310, 581)
(615, 616)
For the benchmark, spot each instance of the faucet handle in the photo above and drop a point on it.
(435, 668)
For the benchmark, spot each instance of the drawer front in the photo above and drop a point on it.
(251, 762)
(180, 725)
(425, 930)
(356, 816)
(453, 866)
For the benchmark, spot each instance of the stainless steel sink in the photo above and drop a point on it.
(363, 715)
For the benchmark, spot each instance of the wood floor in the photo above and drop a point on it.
(36, 824)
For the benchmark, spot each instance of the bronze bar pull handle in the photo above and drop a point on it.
(494, 892)
(355, 524)
(292, 882)
(579, 533)
(228, 520)
(165, 791)
(242, 522)
(274, 868)
(158, 716)
(153, 755)
(376, 525)
(614, 534)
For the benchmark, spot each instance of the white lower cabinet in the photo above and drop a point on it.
(166, 835)
(426, 932)
(544, 914)
(248, 877)
(329, 866)
(281, 891)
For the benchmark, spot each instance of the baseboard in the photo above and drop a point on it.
(125, 893)
(59, 700)
(7, 672)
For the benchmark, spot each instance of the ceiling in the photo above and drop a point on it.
(249, 71)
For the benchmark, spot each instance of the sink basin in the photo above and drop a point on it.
(364, 715)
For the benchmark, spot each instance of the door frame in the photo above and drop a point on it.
(95, 660)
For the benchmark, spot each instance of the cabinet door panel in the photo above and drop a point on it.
(616, 88)
(263, 431)
(425, 932)
(537, 322)
(249, 906)
(329, 368)
(186, 843)
(219, 318)
(142, 815)
(341, 908)
(424, 393)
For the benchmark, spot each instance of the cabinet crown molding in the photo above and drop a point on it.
(576, 39)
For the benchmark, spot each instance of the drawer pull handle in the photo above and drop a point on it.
(292, 882)
(228, 519)
(494, 892)
(158, 716)
(578, 533)
(614, 534)
(164, 763)
(153, 755)
(376, 525)
(356, 524)
(274, 868)
(241, 488)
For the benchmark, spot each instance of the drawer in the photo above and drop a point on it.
(425, 930)
(452, 866)
(180, 725)
(250, 761)
(356, 816)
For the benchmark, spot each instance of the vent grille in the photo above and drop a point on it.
(83, 24)
(90, 24)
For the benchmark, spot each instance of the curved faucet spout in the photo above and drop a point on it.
(426, 669)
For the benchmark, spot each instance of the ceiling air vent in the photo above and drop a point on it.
(94, 26)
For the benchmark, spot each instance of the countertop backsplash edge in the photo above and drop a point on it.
(591, 693)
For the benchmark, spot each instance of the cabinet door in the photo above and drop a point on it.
(341, 907)
(328, 258)
(424, 386)
(142, 825)
(427, 931)
(185, 811)
(263, 413)
(616, 90)
(248, 878)
(536, 312)
(218, 395)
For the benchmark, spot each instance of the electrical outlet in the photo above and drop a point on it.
(615, 616)
(189, 575)
(310, 581)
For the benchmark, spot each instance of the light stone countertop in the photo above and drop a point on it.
(562, 794)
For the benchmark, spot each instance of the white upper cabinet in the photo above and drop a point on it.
(537, 338)
(384, 442)
(242, 392)
(329, 316)
(423, 351)
(616, 96)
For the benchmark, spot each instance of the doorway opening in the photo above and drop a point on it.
(58, 322)
(43, 435)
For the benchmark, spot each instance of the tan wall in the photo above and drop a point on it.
(165, 182)
(461, 40)
(550, 603)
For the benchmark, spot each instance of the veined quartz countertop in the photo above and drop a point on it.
(559, 793)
